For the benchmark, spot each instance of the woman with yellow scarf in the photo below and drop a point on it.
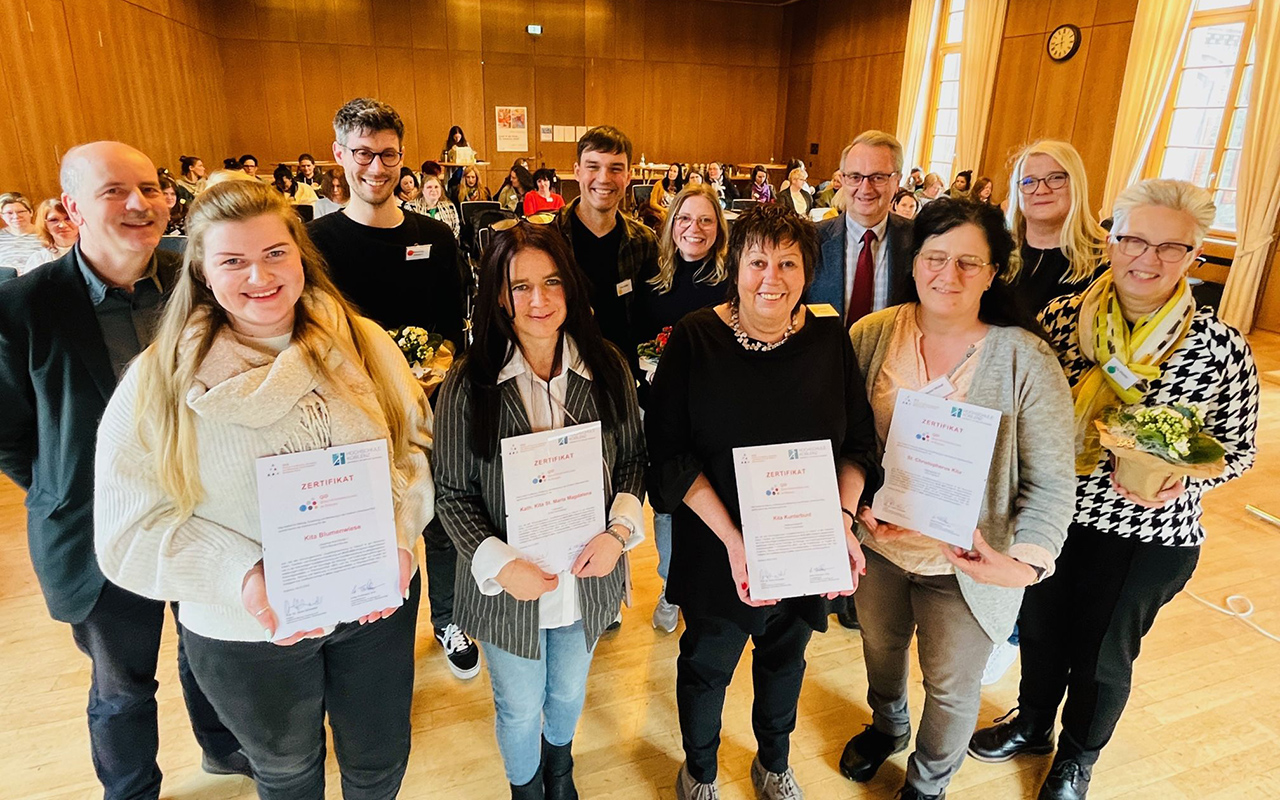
(1134, 336)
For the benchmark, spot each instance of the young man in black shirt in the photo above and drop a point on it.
(399, 268)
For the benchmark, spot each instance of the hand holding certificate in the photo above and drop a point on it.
(330, 552)
(792, 526)
(936, 459)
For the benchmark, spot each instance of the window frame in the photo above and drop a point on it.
(941, 50)
(1246, 14)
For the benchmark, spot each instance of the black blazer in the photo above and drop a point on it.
(806, 201)
(828, 278)
(55, 381)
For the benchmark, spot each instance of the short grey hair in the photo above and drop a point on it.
(874, 138)
(1165, 193)
(365, 115)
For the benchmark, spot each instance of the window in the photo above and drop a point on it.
(1202, 129)
(940, 138)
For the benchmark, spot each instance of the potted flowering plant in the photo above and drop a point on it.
(1155, 445)
(651, 351)
(429, 354)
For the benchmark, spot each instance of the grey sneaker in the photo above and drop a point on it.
(774, 785)
(689, 789)
(665, 615)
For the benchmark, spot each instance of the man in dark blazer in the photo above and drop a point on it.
(67, 332)
(865, 249)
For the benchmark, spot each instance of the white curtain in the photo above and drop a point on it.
(917, 74)
(979, 57)
(1258, 196)
(1159, 31)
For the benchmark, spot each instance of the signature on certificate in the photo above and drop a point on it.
(368, 587)
(298, 605)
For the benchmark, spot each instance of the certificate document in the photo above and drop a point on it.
(553, 485)
(936, 461)
(792, 525)
(329, 546)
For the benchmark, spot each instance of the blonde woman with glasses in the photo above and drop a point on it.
(56, 232)
(258, 354)
(1058, 238)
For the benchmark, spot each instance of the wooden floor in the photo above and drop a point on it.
(1203, 722)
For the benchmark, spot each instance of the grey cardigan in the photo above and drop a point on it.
(471, 506)
(1031, 486)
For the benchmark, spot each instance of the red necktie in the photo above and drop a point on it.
(860, 299)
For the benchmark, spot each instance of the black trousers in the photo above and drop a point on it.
(121, 637)
(710, 649)
(275, 699)
(442, 570)
(1082, 630)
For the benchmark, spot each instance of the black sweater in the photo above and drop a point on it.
(654, 311)
(1040, 279)
(709, 396)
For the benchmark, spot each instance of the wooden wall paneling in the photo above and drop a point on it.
(563, 27)
(1100, 100)
(559, 90)
(428, 24)
(615, 95)
(164, 129)
(355, 21)
(236, 18)
(359, 71)
(277, 20)
(502, 25)
(598, 34)
(804, 32)
(1014, 91)
(13, 170)
(100, 88)
(392, 23)
(1268, 317)
(322, 91)
(795, 122)
(468, 105)
(1058, 88)
(396, 86)
(508, 81)
(1115, 11)
(317, 21)
(1075, 12)
(286, 106)
(462, 24)
(836, 31)
(885, 25)
(1024, 17)
(671, 94)
(880, 98)
(629, 22)
(746, 35)
(432, 86)
(759, 130)
(727, 108)
(248, 128)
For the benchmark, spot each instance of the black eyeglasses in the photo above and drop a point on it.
(364, 157)
(1168, 252)
(876, 179)
(1054, 180)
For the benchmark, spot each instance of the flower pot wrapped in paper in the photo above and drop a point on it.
(1156, 445)
(650, 351)
(430, 355)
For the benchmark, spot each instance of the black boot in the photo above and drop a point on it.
(1024, 734)
(865, 752)
(557, 763)
(530, 791)
(1068, 780)
(846, 613)
(909, 792)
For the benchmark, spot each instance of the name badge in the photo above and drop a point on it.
(823, 310)
(624, 287)
(417, 252)
(1121, 374)
(940, 387)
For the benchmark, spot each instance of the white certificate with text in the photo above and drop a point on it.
(329, 546)
(936, 460)
(553, 485)
(792, 524)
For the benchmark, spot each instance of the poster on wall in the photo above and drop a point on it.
(513, 129)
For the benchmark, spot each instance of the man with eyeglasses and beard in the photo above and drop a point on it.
(399, 268)
(863, 250)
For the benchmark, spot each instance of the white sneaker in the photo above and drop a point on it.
(666, 616)
(998, 663)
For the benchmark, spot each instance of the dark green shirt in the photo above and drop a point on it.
(127, 319)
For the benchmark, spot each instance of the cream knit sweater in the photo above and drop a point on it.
(248, 404)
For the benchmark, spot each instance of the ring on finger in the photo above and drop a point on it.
(264, 610)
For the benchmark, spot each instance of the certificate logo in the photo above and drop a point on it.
(957, 412)
(273, 470)
(539, 479)
(339, 459)
(793, 454)
(562, 441)
(773, 491)
(923, 437)
(311, 506)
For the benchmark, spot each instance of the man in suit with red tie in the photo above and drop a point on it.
(865, 249)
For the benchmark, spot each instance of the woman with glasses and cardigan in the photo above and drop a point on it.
(959, 332)
(538, 363)
(1127, 556)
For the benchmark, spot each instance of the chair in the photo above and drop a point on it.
(642, 192)
(473, 208)
(742, 204)
(7, 274)
(305, 212)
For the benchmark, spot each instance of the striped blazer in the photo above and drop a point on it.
(470, 504)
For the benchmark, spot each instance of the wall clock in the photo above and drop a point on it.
(1063, 42)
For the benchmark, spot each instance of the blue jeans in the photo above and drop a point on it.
(662, 540)
(538, 698)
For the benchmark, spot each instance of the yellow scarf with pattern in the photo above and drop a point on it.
(1104, 334)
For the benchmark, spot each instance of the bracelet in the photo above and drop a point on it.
(853, 518)
(609, 530)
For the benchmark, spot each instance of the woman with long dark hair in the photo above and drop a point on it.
(958, 332)
(538, 363)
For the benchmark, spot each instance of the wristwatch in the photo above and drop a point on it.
(622, 540)
(1040, 571)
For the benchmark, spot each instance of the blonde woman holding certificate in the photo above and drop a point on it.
(258, 355)
(538, 364)
(958, 336)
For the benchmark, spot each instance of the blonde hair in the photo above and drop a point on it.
(466, 192)
(192, 318)
(874, 138)
(1082, 239)
(1164, 193)
(666, 276)
(41, 221)
(224, 175)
